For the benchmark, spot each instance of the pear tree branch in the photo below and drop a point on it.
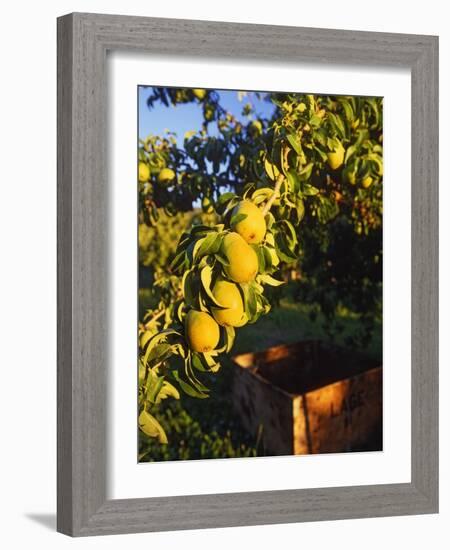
(155, 317)
(275, 194)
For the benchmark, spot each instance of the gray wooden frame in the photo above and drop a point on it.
(83, 41)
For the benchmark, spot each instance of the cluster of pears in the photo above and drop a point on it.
(166, 176)
(202, 329)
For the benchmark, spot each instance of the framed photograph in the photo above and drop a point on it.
(247, 274)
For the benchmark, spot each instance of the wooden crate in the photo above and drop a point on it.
(309, 398)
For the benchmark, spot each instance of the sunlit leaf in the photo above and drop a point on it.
(206, 278)
(295, 144)
(271, 170)
(187, 388)
(156, 339)
(230, 332)
(151, 427)
(168, 390)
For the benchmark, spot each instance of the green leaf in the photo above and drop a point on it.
(282, 248)
(190, 288)
(362, 136)
(270, 220)
(320, 136)
(230, 334)
(271, 170)
(178, 262)
(248, 188)
(305, 173)
(269, 280)
(334, 144)
(321, 153)
(191, 376)
(337, 124)
(261, 195)
(196, 229)
(295, 144)
(156, 339)
(237, 218)
(206, 278)
(290, 233)
(250, 304)
(293, 180)
(315, 121)
(197, 363)
(151, 427)
(226, 197)
(349, 152)
(187, 388)
(310, 190)
(300, 209)
(205, 307)
(197, 245)
(179, 349)
(168, 390)
(209, 359)
(374, 106)
(142, 371)
(158, 354)
(267, 257)
(377, 162)
(265, 304)
(145, 338)
(260, 254)
(179, 310)
(349, 115)
(221, 258)
(210, 245)
(154, 385)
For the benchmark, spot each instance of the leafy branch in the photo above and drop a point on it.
(274, 196)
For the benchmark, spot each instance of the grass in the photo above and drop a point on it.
(209, 428)
(292, 322)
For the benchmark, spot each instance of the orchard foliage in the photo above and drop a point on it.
(313, 172)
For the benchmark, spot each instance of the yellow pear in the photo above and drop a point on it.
(199, 93)
(144, 172)
(367, 182)
(166, 175)
(242, 259)
(207, 205)
(202, 331)
(336, 158)
(227, 294)
(253, 227)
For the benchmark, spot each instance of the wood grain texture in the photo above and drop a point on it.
(425, 272)
(64, 252)
(83, 41)
(309, 398)
(258, 402)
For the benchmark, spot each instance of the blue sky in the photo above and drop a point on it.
(185, 117)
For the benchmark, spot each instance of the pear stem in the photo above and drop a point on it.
(276, 192)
